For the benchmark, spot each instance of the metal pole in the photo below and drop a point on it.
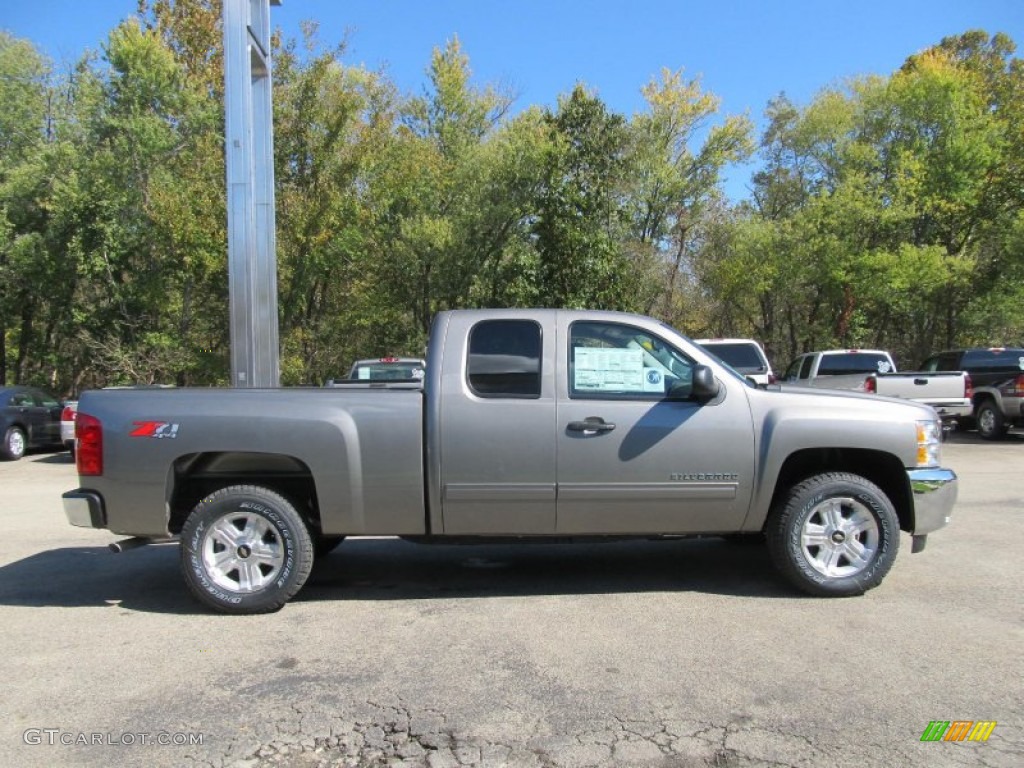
(249, 153)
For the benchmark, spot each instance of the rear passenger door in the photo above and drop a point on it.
(497, 415)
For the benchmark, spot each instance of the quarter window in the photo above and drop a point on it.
(504, 359)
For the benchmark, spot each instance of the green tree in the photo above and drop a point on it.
(579, 225)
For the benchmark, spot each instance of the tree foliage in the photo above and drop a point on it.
(887, 212)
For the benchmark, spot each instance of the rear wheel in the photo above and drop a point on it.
(245, 549)
(991, 424)
(14, 444)
(834, 534)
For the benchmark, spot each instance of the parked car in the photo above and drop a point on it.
(745, 356)
(29, 418)
(997, 376)
(67, 424)
(838, 368)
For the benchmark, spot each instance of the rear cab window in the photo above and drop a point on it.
(505, 359)
(854, 362)
(995, 360)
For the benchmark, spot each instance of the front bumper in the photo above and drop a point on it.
(935, 491)
(85, 509)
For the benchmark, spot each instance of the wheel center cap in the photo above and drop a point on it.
(244, 551)
(838, 537)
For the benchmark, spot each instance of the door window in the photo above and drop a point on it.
(504, 359)
(622, 362)
(44, 400)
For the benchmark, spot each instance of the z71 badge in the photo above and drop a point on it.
(157, 429)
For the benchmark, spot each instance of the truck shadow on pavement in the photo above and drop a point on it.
(381, 569)
(149, 579)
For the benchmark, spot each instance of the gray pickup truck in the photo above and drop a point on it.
(529, 424)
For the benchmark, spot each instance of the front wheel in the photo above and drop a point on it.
(834, 535)
(245, 549)
(991, 424)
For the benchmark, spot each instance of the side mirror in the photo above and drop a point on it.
(705, 385)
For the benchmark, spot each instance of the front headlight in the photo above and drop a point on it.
(929, 443)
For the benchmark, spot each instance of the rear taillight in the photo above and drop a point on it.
(89, 451)
(870, 385)
(772, 378)
(968, 386)
(1018, 386)
(68, 414)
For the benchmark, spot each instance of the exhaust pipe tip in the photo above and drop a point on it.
(124, 545)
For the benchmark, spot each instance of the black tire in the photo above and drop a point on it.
(14, 444)
(324, 545)
(273, 551)
(991, 423)
(857, 527)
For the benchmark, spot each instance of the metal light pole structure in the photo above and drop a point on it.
(249, 149)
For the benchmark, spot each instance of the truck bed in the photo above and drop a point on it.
(360, 449)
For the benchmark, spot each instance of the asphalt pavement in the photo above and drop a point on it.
(670, 653)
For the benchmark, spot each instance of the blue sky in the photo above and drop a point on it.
(745, 51)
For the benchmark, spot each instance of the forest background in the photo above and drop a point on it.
(888, 212)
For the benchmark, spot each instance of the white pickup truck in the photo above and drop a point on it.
(948, 392)
(838, 368)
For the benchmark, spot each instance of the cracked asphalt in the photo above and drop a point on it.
(675, 653)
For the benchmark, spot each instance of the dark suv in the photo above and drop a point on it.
(997, 376)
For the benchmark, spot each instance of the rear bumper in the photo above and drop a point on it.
(955, 410)
(85, 509)
(935, 492)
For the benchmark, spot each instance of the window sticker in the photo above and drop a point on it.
(884, 366)
(614, 370)
(1020, 363)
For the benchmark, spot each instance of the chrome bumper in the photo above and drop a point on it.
(85, 509)
(935, 492)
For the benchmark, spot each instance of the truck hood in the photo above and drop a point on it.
(854, 402)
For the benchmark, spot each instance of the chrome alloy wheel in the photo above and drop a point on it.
(840, 537)
(986, 421)
(243, 552)
(16, 443)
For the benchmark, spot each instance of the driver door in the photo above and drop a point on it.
(636, 453)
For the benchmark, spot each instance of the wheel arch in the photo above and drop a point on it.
(982, 396)
(195, 476)
(883, 469)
